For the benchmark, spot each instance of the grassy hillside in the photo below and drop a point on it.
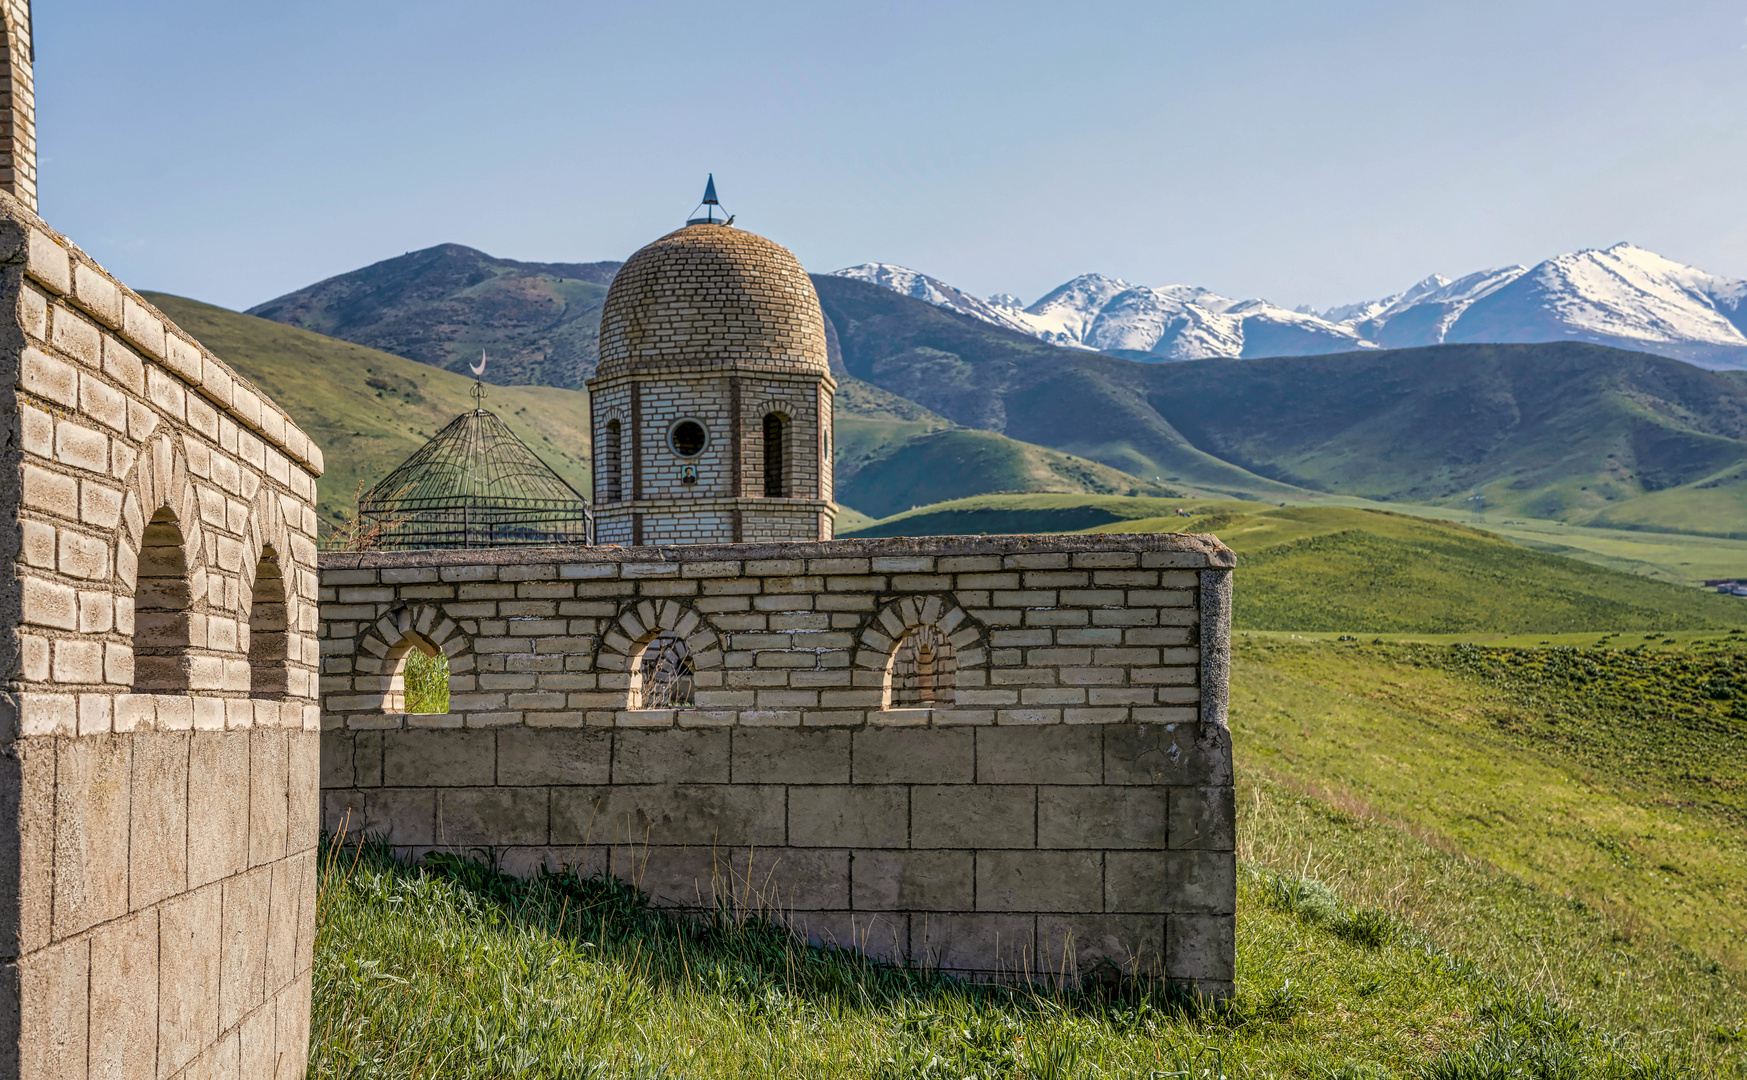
(886, 466)
(369, 410)
(1605, 777)
(1346, 569)
(444, 305)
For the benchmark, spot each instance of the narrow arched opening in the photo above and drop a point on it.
(418, 680)
(663, 675)
(161, 601)
(776, 457)
(269, 630)
(922, 671)
(612, 486)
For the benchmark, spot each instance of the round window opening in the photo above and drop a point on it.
(688, 438)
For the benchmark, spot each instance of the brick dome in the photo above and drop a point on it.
(712, 297)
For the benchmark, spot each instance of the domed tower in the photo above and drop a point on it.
(711, 405)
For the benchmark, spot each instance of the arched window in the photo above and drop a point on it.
(776, 437)
(922, 670)
(268, 638)
(161, 599)
(419, 679)
(612, 487)
(663, 676)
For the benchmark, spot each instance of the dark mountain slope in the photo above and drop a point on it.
(1562, 429)
(984, 376)
(443, 305)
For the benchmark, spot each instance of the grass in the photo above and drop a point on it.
(456, 971)
(1337, 569)
(1606, 777)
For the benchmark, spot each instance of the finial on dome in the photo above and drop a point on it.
(709, 206)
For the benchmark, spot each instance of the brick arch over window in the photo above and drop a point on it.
(656, 623)
(281, 664)
(160, 508)
(610, 477)
(779, 441)
(380, 665)
(921, 651)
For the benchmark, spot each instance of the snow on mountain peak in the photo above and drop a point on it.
(1622, 295)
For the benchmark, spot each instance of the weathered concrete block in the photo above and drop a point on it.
(54, 1009)
(401, 816)
(415, 758)
(1203, 818)
(258, 1046)
(92, 799)
(491, 816)
(985, 944)
(1101, 817)
(336, 759)
(124, 999)
(528, 756)
(880, 936)
(27, 795)
(671, 756)
(774, 880)
(284, 910)
(1071, 947)
(1185, 881)
(242, 981)
(915, 755)
(1054, 754)
(1201, 948)
(859, 816)
(914, 880)
(218, 805)
(188, 975)
(790, 756)
(1040, 881)
(1177, 754)
(158, 851)
(973, 816)
(697, 814)
(303, 799)
(269, 778)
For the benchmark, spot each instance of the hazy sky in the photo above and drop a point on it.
(1306, 153)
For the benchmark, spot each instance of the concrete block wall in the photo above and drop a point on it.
(1067, 800)
(159, 811)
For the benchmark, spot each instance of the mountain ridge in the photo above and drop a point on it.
(1623, 296)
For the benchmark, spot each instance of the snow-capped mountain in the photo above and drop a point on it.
(1623, 296)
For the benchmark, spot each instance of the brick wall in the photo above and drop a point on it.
(158, 819)
(1065, 798)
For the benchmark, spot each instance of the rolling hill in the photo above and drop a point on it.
(444, 305)
(1342, 569)
(370, 410)
(1563, 430)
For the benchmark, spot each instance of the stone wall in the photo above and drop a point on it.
(158, 814)
(1048, 785)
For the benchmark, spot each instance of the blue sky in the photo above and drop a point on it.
(1306, 153)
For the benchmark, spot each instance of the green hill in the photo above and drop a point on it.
(1578, 432)
(369, 410)
(1351, 570)
(443, 305)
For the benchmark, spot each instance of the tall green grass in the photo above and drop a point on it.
(454, 970)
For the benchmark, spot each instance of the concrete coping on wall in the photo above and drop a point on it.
(61, 268)
(1189, 551)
